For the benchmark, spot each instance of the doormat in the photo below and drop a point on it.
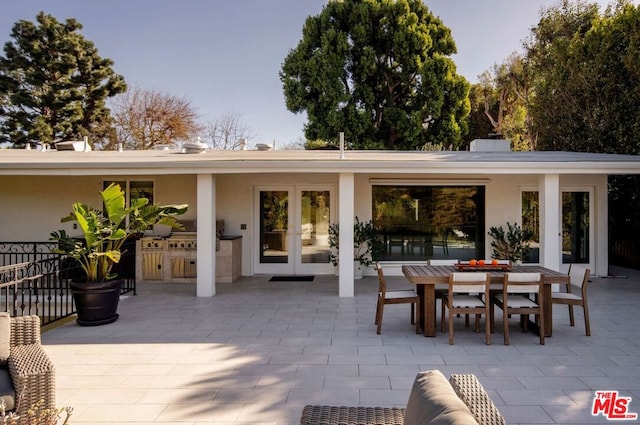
(291, 279)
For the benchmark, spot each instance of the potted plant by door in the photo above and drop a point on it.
(104, 233)
(512, 245)
(367, 245)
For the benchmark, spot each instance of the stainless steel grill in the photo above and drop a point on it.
(172, 258)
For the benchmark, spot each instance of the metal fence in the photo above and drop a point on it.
(41, 286)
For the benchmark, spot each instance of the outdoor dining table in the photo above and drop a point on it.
(426, 277)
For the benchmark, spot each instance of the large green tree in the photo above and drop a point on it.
(54, 82)
(586, 78)
(380, 71)
(499, 104)
(585, 68)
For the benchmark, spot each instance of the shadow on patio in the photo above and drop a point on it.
(259, 351)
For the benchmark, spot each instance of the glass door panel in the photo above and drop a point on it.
(274, 225)
(315, 207)
(531, 223)
(575, 227)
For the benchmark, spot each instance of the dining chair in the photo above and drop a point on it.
(403, 296)
(465, 296)
(576, 294)
(521, 294)
(442, 288)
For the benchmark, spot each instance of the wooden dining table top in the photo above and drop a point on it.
(428, 274)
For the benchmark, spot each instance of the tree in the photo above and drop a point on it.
(54, 82)
(479, 126)
(144, 118)
(380, 71)
(580, 79)
(586, 71)
(499, 103)
(227, 132)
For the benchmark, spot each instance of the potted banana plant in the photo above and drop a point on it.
(104, 234)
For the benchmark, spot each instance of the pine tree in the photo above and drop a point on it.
(54, 83)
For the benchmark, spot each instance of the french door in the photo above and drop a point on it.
(577, 230)
(292, 229)
(576, 215)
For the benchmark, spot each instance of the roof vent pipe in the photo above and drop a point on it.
(263, 146)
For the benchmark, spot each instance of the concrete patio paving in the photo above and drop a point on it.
(258, 351)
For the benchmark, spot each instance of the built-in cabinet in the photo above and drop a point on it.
(229, 259)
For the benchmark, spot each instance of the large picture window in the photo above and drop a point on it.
(424, 222)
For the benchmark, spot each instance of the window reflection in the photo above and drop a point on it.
(423, 222)
(531, 223)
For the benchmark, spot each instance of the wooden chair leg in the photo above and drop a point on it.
(380, 318)
(418, 317)
(413, 312)
(572, 321)
(505, 327)
(587, 325)
(378, 306)
(541, 329)
(450, 328)
(487, 329)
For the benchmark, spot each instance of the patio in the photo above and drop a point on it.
(257, 352)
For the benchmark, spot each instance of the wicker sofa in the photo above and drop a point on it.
(461, 400)
(27, 375)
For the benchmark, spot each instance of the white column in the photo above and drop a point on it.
(206, 216)
(550, 219)
(602, 228)
(346, 212)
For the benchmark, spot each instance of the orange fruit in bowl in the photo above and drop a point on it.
(472, 262)
(481, 262)
(494, 262)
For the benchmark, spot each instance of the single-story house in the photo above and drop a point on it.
(437, 204)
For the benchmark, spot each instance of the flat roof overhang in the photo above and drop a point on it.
(70, 163)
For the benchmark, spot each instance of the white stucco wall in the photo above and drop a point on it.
(31, 207)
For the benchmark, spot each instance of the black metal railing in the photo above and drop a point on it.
(41, 287)
(23, 252)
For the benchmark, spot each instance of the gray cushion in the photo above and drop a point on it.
(5, 337)
(6, 390)
(433, 401)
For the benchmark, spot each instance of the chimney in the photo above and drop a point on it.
(490, 145)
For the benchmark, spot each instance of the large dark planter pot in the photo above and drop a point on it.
(96, 303)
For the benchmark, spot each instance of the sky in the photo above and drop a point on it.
(225, 55)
